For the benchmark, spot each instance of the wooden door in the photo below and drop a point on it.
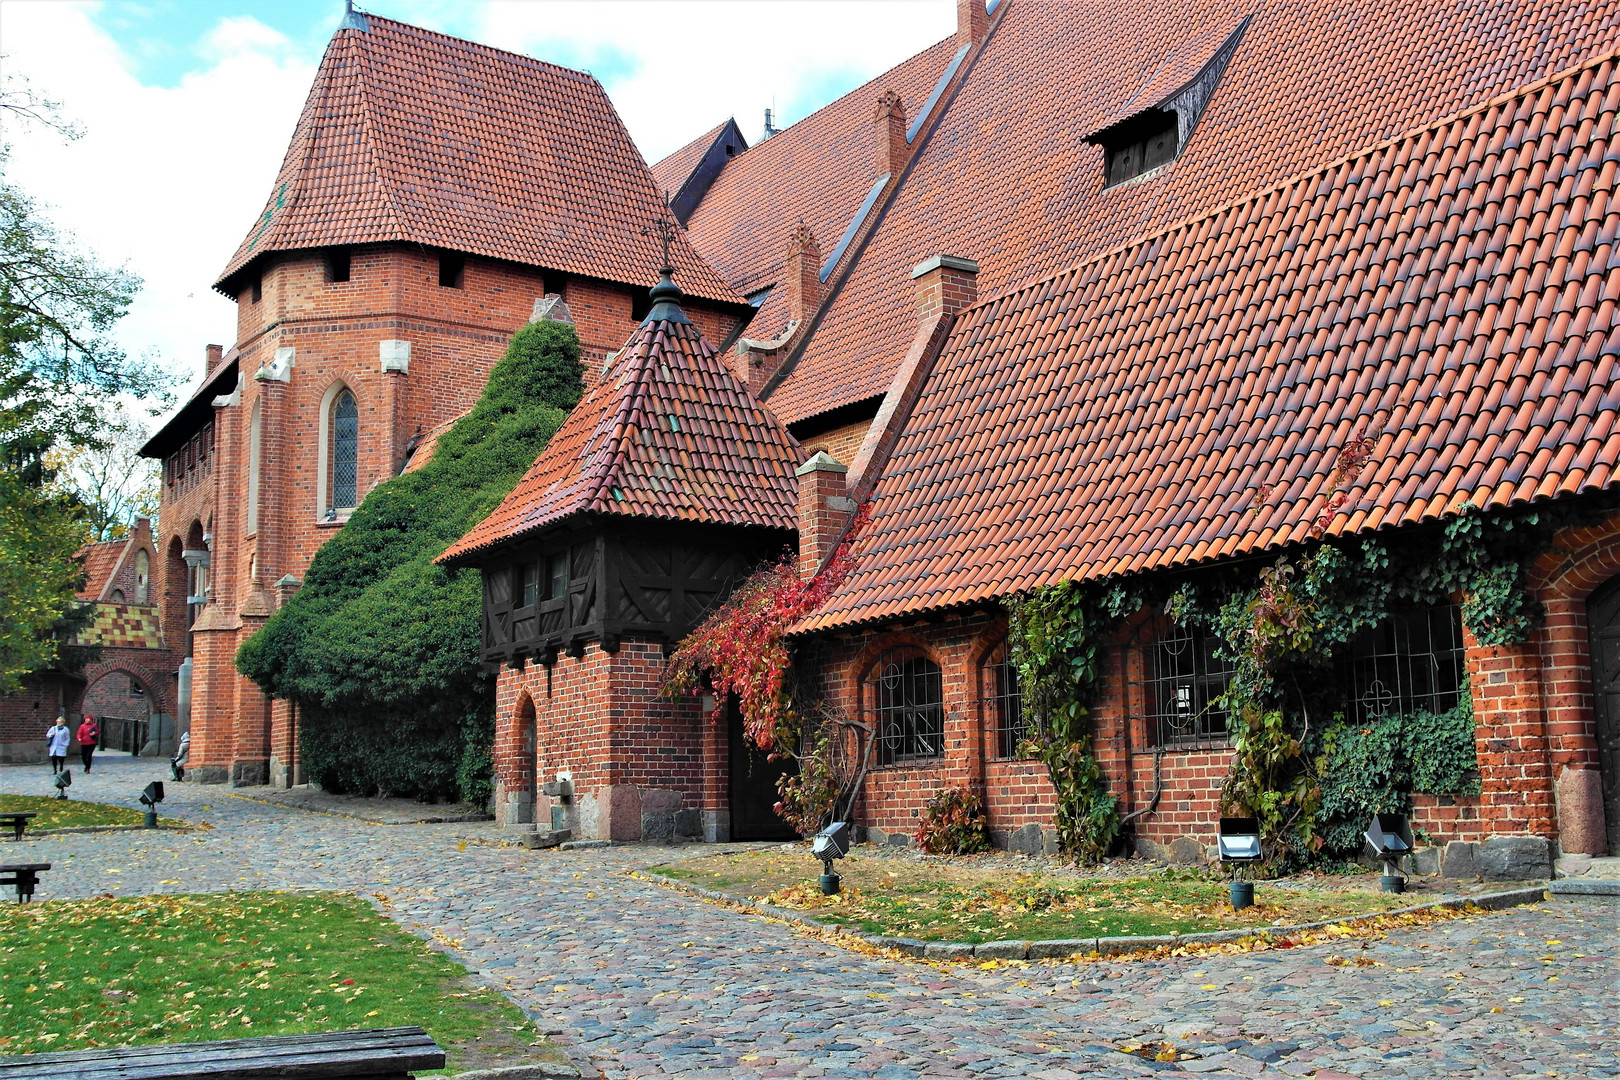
(1603, 622)
(753, 785)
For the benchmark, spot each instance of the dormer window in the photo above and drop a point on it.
(1138, 145)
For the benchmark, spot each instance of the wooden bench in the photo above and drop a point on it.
(24, 876)
(379, 1054)
(17, 821)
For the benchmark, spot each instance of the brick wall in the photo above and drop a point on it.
(25, 715)
(841, 443)
(636, 760)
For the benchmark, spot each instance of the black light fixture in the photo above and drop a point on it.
(1391, 837)
(830, 843)
(63, 780)
(1239, 846)
(150, 798)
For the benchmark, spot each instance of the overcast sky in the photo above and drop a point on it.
(187, 106)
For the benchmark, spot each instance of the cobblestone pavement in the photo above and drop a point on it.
(645, 982)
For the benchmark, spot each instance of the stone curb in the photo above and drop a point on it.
(104, 828)
(542, 1071)
(443, 819)
(1584, 887)
(1058, 949)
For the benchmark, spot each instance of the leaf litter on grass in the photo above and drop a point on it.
(186, 968)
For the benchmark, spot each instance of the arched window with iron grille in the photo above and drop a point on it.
(907, 701)
(1003, 705)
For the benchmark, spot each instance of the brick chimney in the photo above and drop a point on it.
(215, 353)
(945, 285)
(972, 22)
(891, 133)
(823, 511)
(803, 274)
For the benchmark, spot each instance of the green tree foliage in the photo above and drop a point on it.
(380, 648)
(58, 363)
(39, 532)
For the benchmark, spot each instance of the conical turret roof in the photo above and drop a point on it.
(667, 433)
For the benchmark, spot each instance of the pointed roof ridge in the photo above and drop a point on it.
(413, 136)
(668, 432)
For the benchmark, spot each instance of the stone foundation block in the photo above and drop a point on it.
(1027, 839)
(875, 835)
(208, 774)
(717, 826)
(1459, 860)
(250, 773)
(658, 826)
(688, 823)
(1516, 858)
(1580, 812)
(1425, 861)
(661, 801)
(947, 950)
(623, 817)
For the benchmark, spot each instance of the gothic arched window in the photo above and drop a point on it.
(143, 577)
(344, 441)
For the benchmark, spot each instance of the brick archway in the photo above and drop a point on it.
(157, 684)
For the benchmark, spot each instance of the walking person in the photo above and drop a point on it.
(56, 744)
(89, 739)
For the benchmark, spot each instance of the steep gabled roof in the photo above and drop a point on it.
(1183, 398)
(668, 432)
(1009, 180)
(412, 136)
(818, 170)
(100, 560)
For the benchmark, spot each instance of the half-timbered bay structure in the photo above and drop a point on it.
(667, 484)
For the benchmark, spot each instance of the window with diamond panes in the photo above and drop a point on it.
(1003, 706)
(908, 699)
(1185, 684)
(1411, 661)
(345, 451)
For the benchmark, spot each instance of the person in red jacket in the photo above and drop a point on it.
(89, 736)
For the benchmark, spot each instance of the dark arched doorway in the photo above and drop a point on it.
(1603, 623)
(753, 792)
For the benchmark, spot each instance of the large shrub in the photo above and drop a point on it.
(380, 648)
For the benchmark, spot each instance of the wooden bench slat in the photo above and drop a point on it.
(14, 867)
(377, 1052)
(408, 1035)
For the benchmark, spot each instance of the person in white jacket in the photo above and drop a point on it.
(56, 741)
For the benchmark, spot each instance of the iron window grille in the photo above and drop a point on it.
(345, 451)
(1003, 705)
(1413, 660)
(1186, 684)
(909, 700)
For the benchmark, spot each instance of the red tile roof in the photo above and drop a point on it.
(1009, 181)
(667, 432)
(427, 444)
(819, 169)
(1454, 293)
(413, 136)
(100, 560)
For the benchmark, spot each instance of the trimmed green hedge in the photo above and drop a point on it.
(380, 646)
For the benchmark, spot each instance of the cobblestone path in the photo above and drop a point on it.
(645, 982)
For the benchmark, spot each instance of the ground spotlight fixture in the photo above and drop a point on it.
(830, 843)
(1391, 838)
(150, 798)
(63, 780)
(1239, 846)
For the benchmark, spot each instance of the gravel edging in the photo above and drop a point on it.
(1060, 948)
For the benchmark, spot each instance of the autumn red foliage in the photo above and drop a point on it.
(741, 648)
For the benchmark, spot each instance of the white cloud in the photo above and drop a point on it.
(168, 179)
(165, 180)
(675, 69)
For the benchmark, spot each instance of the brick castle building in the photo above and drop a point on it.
(1056, 297)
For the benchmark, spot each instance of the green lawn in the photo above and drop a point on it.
(981, 899)
(57, 813)
(155, 969)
